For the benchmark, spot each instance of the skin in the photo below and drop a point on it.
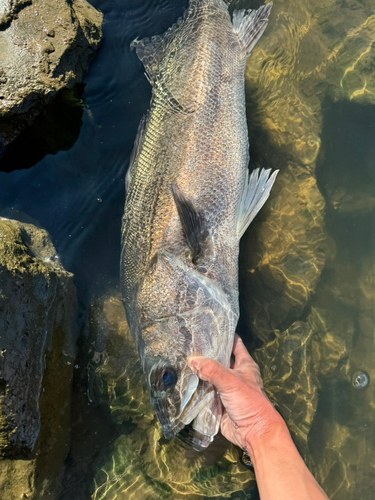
(251, 422)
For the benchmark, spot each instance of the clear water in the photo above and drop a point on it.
(307, 265)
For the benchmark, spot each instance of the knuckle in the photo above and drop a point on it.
(214, 370)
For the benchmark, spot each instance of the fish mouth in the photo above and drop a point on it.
(172, 408)
(187, 412)
(169, 425)
(201, 441)
(170, 430)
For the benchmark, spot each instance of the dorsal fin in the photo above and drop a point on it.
(193, 223)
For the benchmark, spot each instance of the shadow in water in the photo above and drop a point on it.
(346, 177)
(55, 129)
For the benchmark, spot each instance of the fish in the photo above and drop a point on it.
(189, 199)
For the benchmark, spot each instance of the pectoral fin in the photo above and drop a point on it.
(255, 193)
(193, 223)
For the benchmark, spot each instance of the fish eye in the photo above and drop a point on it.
(168, 378)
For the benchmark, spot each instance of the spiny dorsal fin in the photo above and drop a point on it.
(250, 24)
(255, 192)
(193, 223)
(136, 149)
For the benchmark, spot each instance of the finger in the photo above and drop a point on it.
(240, 352)
(213, 372)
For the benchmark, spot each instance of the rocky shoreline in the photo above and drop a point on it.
(45, 46)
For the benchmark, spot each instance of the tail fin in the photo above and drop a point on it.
(255, 194)
(250, 24)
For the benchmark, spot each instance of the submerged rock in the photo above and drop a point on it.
(310, 51)
(303, 298)
(45, 46)
(342, 434)
(308, 372)
(37, 325)
(142, 464)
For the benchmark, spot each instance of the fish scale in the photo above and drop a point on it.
(189, 199)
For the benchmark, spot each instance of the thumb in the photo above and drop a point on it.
(212, 371)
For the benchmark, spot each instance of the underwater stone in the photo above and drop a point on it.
(45, 46)
(308, 371)
(360, 380)
(37, 325)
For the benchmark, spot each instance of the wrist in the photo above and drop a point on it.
(270, 429)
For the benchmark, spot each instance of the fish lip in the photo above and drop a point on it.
(170, 426)
(201, 441)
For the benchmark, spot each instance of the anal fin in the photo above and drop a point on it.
(256, 190)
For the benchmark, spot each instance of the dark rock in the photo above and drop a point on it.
(37, 332)
(45, 46)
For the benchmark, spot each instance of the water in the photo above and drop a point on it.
(307, 268)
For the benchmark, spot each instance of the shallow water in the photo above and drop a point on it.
(307, 265)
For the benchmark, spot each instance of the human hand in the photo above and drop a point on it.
(248, 413)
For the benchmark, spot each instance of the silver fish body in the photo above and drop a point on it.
(189, 200)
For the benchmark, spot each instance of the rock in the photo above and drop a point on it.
(45, 46)
(142, 464)
(37, 325)
(292, 367)
(309, 372)
(283, 255)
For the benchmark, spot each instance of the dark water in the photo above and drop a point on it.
(76, 192)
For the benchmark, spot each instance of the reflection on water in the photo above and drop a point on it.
(307, 265)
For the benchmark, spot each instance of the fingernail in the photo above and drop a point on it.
(192, 363)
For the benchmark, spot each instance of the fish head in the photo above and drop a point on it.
(177, 394)
(191, 317)
(171, 385)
